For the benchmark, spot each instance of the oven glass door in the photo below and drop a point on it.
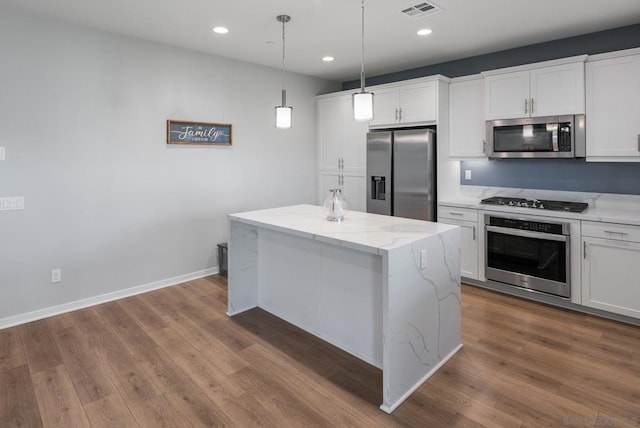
(528, 253)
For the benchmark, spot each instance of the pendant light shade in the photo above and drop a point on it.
(362, 101)
(363, 106)
(283, 111)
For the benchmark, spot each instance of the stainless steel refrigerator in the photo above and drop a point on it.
(401, 173)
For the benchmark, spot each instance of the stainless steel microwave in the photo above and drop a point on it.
(537, 137)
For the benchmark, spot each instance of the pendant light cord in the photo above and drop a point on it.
(362, 52)
(284, 100)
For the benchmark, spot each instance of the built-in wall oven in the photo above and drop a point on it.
(528, 253)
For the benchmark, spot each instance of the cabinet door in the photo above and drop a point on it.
(354, 146)
(610, 276)
(466, 119)
(355, 190)
(327, 181)
(613, 109)
(468, 247)
(331, 124)
(418, 103)
(385, 106)
(557, 90)
(506, 95)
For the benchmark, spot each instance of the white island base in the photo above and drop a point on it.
(385, 289)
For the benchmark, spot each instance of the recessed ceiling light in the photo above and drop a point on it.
(424, 32)
(327, 58)
(221, 30)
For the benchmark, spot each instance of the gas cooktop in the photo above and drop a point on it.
(573, 207)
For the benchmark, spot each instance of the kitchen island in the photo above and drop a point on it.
(385, 289)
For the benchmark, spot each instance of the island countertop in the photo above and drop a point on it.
(372, 233)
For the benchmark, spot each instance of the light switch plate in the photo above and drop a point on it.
(10, 204)
(1, 153)
(467, 174)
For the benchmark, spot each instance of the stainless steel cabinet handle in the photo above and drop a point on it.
(474, 233)
(616, 233)
(526, 106)
(532, 106)
(584, 249)
(400, 115)
(454, 213)
(484, 146)
(396, 114)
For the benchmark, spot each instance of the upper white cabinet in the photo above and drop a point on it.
(543, 89)
(341, 140)
(613, 107)
(405, 104)
(466, 119)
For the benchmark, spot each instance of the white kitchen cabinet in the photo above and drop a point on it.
(405, 104)
(611, 267)
(342, 153)
(467, 219)
(341, 139)
(613, 109)
(353, 185)
(535, 90)
(466, 118)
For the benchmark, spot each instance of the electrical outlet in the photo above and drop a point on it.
(467, 174)
(56, 276)
(423, 259)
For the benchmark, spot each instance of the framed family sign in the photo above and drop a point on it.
(184, 132)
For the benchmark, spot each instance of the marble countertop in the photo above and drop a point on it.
(372, 233)
(602, 214)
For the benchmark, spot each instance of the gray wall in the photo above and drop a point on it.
(82, 117)
(555, 174)
(594, 43)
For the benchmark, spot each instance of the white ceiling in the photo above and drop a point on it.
(332, 27)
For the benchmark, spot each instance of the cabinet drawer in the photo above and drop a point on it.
(620, 232)
(456, 213)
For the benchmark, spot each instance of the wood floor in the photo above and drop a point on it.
(173, 358)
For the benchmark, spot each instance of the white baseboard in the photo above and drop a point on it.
(103, 298)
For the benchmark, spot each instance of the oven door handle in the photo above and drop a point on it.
(527, 233)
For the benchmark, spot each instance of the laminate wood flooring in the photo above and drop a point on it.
(172, 358)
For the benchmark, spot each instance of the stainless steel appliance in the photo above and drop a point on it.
(542, 204)
(528, 253)
(401, 173)
(537, 137)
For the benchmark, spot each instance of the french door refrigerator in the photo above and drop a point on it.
(401, 173)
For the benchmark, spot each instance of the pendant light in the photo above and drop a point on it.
(283, 112)
(362, 101)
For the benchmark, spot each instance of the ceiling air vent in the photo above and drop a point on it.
(421, 10)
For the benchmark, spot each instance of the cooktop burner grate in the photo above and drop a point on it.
(573, 207)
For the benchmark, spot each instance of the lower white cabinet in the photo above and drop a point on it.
(467, 219)
(353, 185)
(611, 267)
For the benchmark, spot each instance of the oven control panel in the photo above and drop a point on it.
(532, 225)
